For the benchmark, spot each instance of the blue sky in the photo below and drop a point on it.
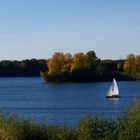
(38, 28)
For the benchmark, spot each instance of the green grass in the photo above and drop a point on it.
(127, 127)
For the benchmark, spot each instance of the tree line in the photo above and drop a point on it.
(88, 67)
(25, 68)
(80, 67)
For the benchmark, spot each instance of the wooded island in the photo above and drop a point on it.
(88, 67)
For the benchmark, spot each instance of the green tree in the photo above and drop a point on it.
(91, 60)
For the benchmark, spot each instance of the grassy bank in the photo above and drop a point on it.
(99, 128)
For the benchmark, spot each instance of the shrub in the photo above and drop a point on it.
(129, 124)
(126, 127)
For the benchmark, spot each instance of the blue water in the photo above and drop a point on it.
(65, 102)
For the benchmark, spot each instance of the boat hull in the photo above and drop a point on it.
(113, 96)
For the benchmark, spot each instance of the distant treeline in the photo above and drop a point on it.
(88, 67)
(80, 67)
(25, 68)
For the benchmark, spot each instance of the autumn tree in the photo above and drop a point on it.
(78, 62)
(56, 64)
(132, 66)
(137, 63)
(68, 61)
(83, 67)
(129, 63)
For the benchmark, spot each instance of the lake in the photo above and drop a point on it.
(64, 102)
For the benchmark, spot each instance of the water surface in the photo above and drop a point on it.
(65, 102)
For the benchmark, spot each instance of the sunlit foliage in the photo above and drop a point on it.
(65, 67)
(78, 62)
(56, 64)
(132, 66)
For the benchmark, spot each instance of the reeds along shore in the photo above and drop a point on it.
(127, 127)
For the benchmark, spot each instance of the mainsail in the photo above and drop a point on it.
(113, 90)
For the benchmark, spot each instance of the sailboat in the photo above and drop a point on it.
(113, 91)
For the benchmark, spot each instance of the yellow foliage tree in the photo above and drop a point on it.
(129, 63)
(68, 60)
(78, 61)
(56, 64)
(137, 63)
(132, 65)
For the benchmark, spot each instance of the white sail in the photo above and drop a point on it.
(113, 90)
(116, 90)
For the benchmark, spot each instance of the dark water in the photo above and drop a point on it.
(63, 103)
